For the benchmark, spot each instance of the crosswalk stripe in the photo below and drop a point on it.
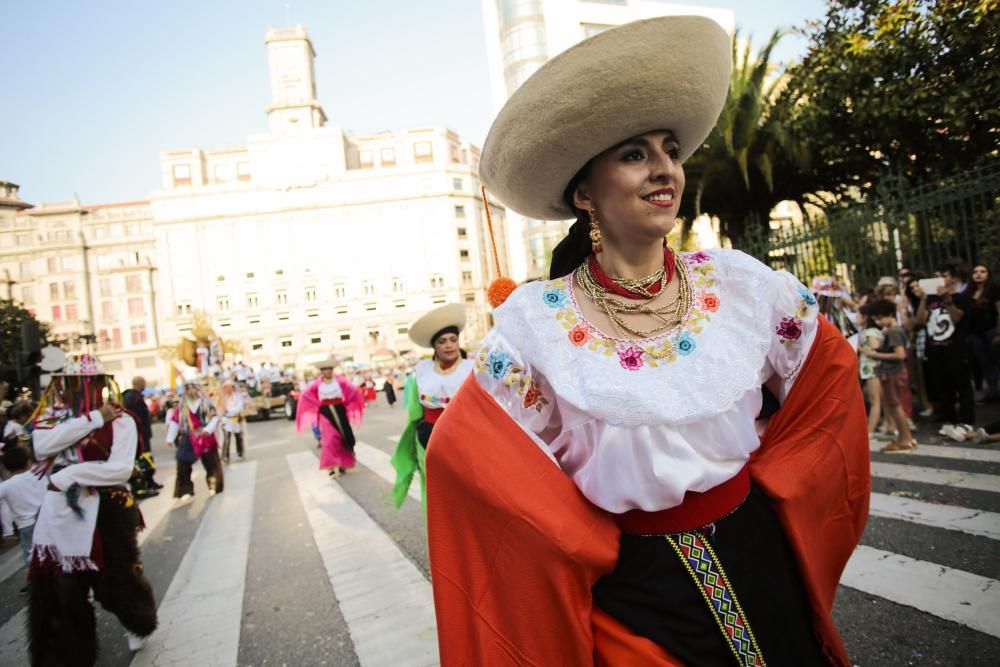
(936, 515)
(944, 452)
(14, 640)
(380, 463)
(386, 601)
(947, 593)
(953, 478)
(199, 618)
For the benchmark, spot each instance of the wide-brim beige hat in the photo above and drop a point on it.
(329, 362)
(448, 315)
(665, 73)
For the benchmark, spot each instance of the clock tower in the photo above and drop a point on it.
(293, 87)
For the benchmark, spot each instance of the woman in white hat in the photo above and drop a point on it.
(232, 420)
(429, 390)
(602, 491)
(336, 406)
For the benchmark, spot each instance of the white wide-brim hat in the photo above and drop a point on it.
(329, 362)
(665, 73)
(449, 315)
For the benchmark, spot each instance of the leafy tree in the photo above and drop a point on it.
(750, 161)
(897, 86)
(11, 316)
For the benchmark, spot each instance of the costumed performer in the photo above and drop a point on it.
(428, 390)
(232, 420)
(335, 406)
(191, 430)
(85, 535)
(599, 490)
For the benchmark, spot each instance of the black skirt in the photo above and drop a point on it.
(653, 592)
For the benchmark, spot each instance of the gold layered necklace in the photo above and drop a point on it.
(670, 314)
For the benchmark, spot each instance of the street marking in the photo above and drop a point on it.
(954, 478)
(199, 618)
(386, 601)
(944, 452)
(947, 593)
(936, 515)
(380, 463)
(265, 445)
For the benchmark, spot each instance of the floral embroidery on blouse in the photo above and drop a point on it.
(634, 354)
(500, 367)
(790, 328)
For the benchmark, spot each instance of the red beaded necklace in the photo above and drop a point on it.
(605, 281)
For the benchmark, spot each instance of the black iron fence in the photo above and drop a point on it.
(900, 225)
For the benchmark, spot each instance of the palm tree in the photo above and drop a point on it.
(749, 162)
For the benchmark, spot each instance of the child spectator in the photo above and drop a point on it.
(892, 373)
(870, 341)
(20, 498)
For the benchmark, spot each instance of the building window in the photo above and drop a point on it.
(220, 279)
(466, 278)
(24, 270)
(145, 362)
(402, 329)
(400, 304)
(312, 314)
(253, 320)
(366, 159)
(100, 232)
(137, 306)
(339, 291)
(437, 281)
(116, 339)
(286, 342)
(373, 333)
(243, 171)
(388, 157)
(279, 272)
(53, 291)
(222, 303)
(252, 301)
(281, 298)
(27, 296)
(310, 295)
(344, 335)
(342, 310)
(51, 265)
(71, 313)
(315, 339)
(283, 316)
(22, 239)
(367, 288)
(591, 29)
(133, 284)
(225, 324)
(470, 297)
(256, 345)
(463, 233)
(138, 334)
(370, 307)
(107, 311)
(397, 285)
(69, 262)
(439, 299)
(457, 184)
(103, 342)
(56, 313)
(456, 154)
(132, 230)
(184, 308)
(459, 211)
(104, 286)
(182, 175)
(249, 275)
(464, 254)
(69, 290)
(423, 151)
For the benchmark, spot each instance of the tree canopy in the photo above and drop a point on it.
(12, 315)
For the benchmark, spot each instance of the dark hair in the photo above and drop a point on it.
(575, 247)
(866, 312)
(955, 267)
(16, 458)
(451, 329)
(882, 308)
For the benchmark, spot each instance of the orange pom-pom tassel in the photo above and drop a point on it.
(499, 290)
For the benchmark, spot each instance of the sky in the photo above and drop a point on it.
(94, 91)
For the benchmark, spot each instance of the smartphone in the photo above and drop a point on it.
(930, 286)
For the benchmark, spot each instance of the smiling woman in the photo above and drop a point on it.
(667, 531)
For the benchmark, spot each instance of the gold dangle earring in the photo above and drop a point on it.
(595, 232)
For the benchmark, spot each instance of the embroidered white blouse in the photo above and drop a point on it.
(636, 424)
(436, 389)
(329, 391)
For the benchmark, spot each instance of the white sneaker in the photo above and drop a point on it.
(953, 432)
(135, 642)
(978, 436)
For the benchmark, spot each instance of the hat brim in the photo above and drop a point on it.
(448, 315)
(665, 73)
(329, 362)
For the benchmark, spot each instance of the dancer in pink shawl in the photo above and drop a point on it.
(335, 405)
